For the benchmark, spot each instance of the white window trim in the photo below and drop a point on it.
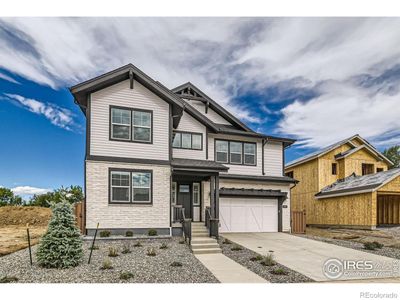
(173, 195)
(119, 186)
(121, 124)
(198, 193)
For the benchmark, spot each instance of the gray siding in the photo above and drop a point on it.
(140, 97)
(211, 114)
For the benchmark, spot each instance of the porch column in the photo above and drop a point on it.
(216, 197)
(280, 202)
(212, 196)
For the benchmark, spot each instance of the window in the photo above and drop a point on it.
(196, 193)
(141, 187)
(235, 151)
(187, 140)
(367, 169)
(221, 148)
(334, 169)
(130, 186)
(120, 186)
(184, 188)
(173, 191)
(379, 170)
(290, 174)
(239, 153)
(141, 126)
(249, 154)
(131, 125)
(120, 124)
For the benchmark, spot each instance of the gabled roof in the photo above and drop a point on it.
(358, 184)
(201, 96)
(329, 148)
(129, 71)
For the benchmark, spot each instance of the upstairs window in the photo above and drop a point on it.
(367, 169)
(233, 152)
(379, 170)
(187, 140)
(131, 125)
(334, 169)
(290, 174)
(221, 151)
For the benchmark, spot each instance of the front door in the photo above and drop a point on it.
(185, 199)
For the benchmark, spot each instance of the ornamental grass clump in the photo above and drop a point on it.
(61, 245)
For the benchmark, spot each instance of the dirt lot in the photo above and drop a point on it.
(390, 236)
(13, 221)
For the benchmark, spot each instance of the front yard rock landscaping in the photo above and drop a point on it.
(266, 268)
(174, 264)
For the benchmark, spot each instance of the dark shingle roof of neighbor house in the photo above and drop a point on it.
(358, 184)
(251, 192)
(324, 150)
(198, 164)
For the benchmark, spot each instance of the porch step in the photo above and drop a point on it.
(200, 234)
(203, 241)
(199, 230)
(205, 246)
(207, 251)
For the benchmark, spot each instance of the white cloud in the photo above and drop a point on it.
(29, 190)
(58, 116)
(8, 78)
(226, 57)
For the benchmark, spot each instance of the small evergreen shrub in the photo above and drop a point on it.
(112, 252)
(279, 271)
(181, 241)
(236, 248)
(105, 233)
(61, 245)
(126, 249)
(129, 233)
(226, 242)
(268, 260)
(151, 252)
(152, 232)
(8, 279)
(126, 275)
(138, 244)
(378, 245)
(107, 265)
(95, 247)
(176, 264)
(164, 246)
(256, 258)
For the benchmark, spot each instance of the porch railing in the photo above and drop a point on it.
(211, 223)
(177, 214)
(187, 227)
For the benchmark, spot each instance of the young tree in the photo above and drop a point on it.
(7, 197)
(393, 153)
(61, 246)
(72, 194)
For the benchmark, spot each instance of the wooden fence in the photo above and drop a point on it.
(298, 221)
(78, 209)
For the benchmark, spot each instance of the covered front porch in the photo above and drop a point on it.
(195, 195)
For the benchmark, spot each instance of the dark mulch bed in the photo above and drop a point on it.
(243, 257)
(385, 251)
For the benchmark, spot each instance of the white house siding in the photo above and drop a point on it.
(188, 123)
(119, 216)
(273, 158)
(259, 185)
(238, 169)
(139, 97)
(211, 114)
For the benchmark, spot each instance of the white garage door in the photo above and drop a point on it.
(248, 215)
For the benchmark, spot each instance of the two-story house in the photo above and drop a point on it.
(151, 151)
(346, 184)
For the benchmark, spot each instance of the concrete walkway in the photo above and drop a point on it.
(228, 271)
(308, 256)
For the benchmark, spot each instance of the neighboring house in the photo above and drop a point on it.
(151, 150)
(347, 184)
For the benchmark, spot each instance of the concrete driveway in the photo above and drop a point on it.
(308, 256)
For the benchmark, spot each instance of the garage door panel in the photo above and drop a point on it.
(248, 215)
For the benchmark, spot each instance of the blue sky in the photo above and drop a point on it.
(317, 80)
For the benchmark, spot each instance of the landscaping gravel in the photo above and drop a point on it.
(145, 269)
(385, 251)
(243, 257)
